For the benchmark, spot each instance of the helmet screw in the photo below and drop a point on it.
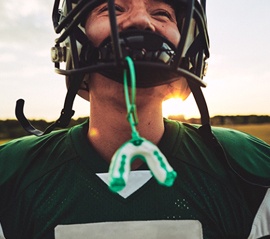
(58, 54)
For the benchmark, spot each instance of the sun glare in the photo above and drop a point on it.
(172, 107)
(176, 106)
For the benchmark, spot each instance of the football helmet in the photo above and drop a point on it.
(74, 48)
(156, 59)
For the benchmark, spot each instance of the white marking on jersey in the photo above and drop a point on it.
(1, 233)
(159, 229)
(135, 181)
(261, 223)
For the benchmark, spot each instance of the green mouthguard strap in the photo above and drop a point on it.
(137, 147)
(131, 100)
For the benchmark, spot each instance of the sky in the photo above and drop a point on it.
(238, 77)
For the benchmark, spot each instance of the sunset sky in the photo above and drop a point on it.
(238, 75)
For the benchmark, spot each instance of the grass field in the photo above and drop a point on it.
(2, 141)
(261, 131)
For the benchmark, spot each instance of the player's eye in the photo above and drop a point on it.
(118, 9)
(163, 14)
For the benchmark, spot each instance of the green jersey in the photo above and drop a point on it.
(55, 179)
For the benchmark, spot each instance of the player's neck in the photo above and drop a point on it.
(109, 128)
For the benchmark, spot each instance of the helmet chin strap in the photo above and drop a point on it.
(137, 147)
(66, 113)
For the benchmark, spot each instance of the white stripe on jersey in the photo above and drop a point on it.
(261, 223)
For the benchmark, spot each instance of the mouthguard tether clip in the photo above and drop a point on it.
(137, 147)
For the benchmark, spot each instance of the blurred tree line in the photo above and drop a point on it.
(228, 119)
(10, 129)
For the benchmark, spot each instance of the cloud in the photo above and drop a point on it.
(15, 9)
(7, 58)
(25, 22)
(27, 35)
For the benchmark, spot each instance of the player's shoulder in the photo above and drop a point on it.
(32, 152)
(23, 145)
(25, 159)
(247, 155)
(238, 140)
